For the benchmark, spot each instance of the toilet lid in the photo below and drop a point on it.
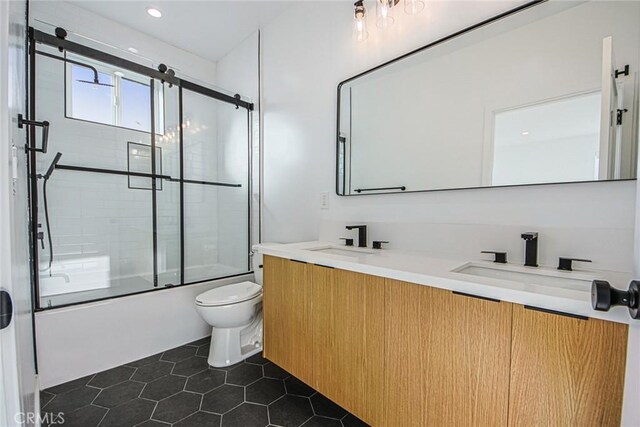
(229, 294)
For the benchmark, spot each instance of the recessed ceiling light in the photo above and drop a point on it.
(133, 50)
(152, 11)
(525, 132)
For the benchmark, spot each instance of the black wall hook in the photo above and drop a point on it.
(623, 72)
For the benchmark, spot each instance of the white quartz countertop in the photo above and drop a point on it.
(438, 272)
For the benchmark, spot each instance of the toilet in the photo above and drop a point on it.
(235, 314)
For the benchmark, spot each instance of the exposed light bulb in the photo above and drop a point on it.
(360, 22)
(413, 7)
(384, 18)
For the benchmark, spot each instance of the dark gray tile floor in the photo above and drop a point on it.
(178, 388)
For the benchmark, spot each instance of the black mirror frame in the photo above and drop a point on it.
(413, 52)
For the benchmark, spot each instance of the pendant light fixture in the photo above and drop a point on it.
(384, 16)
(360, 22)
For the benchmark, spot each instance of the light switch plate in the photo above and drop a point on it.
(324, 200)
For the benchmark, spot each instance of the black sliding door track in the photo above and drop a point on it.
(98, 55)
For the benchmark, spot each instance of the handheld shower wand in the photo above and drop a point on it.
(56, 159)
(46, 177)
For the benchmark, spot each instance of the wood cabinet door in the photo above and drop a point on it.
(348, 340)
(447, 358)
(566, 371)
(287, 315)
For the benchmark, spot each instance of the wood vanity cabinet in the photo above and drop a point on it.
(447, 358)
(287, 316)
(566, 371)
(326, 327)
(401, 354)
(348, 336)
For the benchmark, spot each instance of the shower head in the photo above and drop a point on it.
(95, 82)
(94, 70)
(56, 159)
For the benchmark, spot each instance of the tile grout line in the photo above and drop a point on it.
(264, 392)
(103, 417)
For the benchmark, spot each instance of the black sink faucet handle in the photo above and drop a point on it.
(566, 264)
(347, 241)
(377, 244)
(499, 257)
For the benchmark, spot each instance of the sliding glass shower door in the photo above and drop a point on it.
(216, 182)
(168, 211)
(144, 185)
(94, 228)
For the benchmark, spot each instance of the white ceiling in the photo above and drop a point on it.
(209, 29)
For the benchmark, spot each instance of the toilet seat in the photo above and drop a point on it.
(229, 294)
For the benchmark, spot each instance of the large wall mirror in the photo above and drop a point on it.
(545, 94)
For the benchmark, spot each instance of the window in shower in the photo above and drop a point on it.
(102, 94)
(109, 237)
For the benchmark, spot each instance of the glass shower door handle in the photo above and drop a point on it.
(45, 132)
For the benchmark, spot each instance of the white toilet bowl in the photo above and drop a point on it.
(235, 315)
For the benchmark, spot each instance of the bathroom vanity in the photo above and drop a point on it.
(402, 339)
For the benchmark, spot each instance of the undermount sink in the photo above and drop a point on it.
(343, 251)
(578, 281)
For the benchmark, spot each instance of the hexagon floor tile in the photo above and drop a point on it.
(177, 388)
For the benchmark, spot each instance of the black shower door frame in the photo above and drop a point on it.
(39, 37)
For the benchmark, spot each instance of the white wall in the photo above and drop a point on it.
(308, 50)
(237, 72)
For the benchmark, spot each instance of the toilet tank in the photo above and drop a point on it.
(256, 260)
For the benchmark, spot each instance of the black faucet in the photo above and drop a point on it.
(362, 234)
(531, 248)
